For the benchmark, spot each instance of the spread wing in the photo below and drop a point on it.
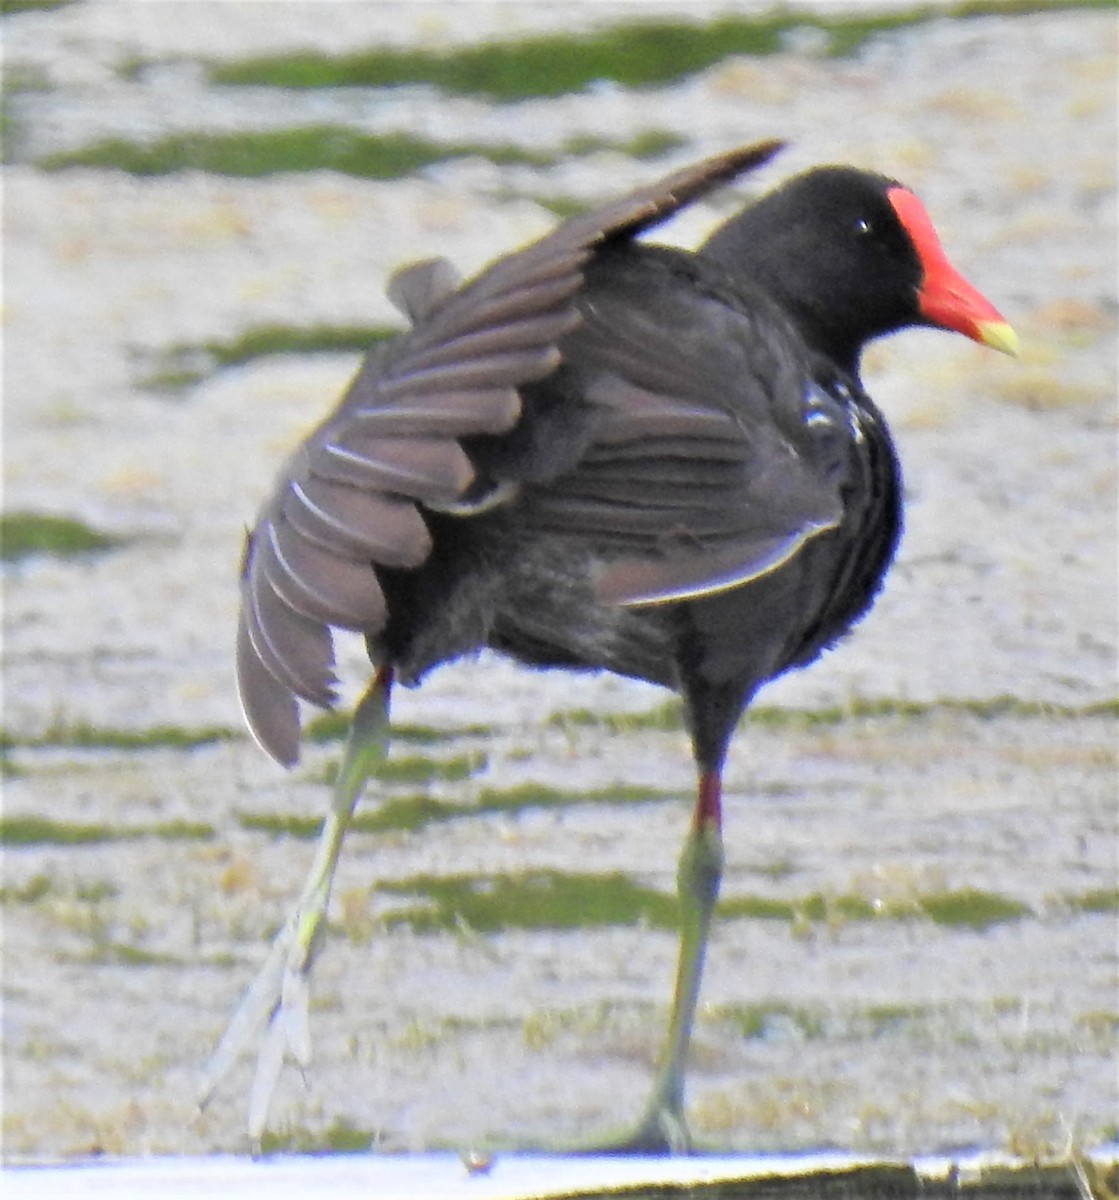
(713, 454)
(352, 494)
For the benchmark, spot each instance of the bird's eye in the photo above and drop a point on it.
(863, 227)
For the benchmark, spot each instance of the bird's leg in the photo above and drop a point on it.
(663, 1128)
(277, 999)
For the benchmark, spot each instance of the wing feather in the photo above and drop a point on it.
(690, 484)
(290, 646)
(442, 414)
(418, 289)
(683, 576)
(511, 368)
(270, 707)
(423, 468)
(352, 497)
(484, 344)
(356, 524)
(539, 296)
(321, 585)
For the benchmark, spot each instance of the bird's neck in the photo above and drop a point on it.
(825, 335)
(825, 326)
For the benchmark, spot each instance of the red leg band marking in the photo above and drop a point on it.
(709, 801)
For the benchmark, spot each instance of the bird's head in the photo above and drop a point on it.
(851, 256)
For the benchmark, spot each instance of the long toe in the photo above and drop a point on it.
(662, 1131)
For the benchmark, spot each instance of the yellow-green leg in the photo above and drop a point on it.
(277, 999)
(663, 1129)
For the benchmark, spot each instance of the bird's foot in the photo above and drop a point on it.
(274, 1011)
(663, 1130)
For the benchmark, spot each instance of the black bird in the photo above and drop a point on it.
(599, 453)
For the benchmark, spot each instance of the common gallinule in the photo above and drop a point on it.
(598, 454)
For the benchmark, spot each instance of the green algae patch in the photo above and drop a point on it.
(531, 900)
(650, 144)
(972, 908)
(10, 7)
(416, 769)
(82, 735)
(393, 816)
(816, 907)
(257, 153)
(37, 831)
(407, 814)
(669, 717)
(254, 154)
(289, 339)
(282, 825)
(860, 709)
(756, 908)
(335, 727)
(23, 534)
(540, 795)
(414, 812)
(563, 207)
(821, 907)
(569, 900)
(665, 718)
(652, 53)
(34, 830)
(183, 366)
(1098, 900)
(30, 892)
(419, 768)
(422, 769)
(634, 55)
(966, 907)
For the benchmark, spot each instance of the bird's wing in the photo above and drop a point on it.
(715, 448)
(350, 496)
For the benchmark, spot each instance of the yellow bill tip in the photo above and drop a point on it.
(999, 336)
